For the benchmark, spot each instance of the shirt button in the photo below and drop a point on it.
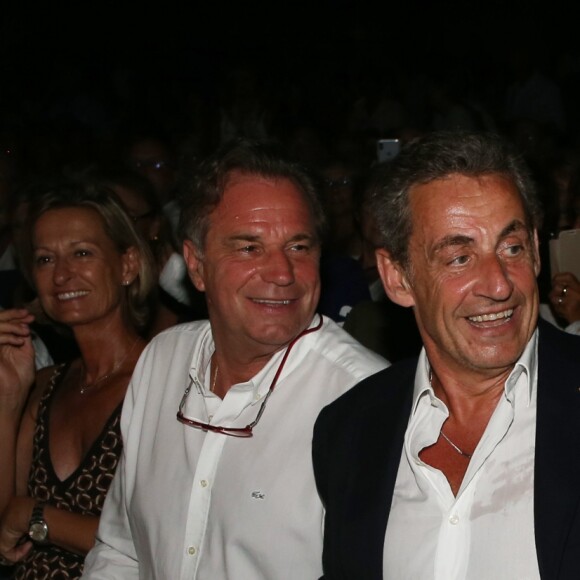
(454, 519)
(203, 483)
(191, 551)
(210, 418)
(257, 397)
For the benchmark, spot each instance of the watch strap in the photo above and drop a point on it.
(37, 512)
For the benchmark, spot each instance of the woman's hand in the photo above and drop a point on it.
(17, 370)
(68, 530)
(565, 296)
(14, 543)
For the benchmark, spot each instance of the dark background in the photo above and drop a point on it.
(51, 55)
(80, 82)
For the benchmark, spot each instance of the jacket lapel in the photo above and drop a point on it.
(557, 456)
(375, 468)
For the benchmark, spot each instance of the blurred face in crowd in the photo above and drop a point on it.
(141, 213)
(338, 190)
(153, 160)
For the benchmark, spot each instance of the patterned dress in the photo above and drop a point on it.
(82, 492)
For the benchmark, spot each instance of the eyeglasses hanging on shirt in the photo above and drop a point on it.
(247, 430)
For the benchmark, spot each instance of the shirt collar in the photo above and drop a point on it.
(422, 386)
(259, 383)
(199, 369)
(527, 363)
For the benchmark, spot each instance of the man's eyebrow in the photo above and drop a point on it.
(451, 240)
(514, 226)
(254, 238)
(302, 236)
(244, 238)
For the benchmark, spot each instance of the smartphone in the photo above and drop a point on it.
(387, 149)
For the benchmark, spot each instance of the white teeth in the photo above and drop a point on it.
(71, 295)
(272, 302)
(492, 317)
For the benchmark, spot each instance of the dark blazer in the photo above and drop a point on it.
(357, 447)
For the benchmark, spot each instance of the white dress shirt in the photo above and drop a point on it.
(186, 504)
(487, 531)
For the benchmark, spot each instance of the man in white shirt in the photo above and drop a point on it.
(461, 464)
(216, 478)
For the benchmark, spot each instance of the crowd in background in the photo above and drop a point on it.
(139, 136)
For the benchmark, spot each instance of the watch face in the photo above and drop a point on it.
(38, 531)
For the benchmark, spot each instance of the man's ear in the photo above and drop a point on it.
(194, 263)
(131, 262)
(394, 278)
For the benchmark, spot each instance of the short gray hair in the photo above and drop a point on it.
(436, 156)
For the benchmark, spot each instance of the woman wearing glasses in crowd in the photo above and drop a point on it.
(59, 428)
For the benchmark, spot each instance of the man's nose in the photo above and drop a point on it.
(494, 281)
(278, 269)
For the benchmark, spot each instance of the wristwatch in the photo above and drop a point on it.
(38, 528)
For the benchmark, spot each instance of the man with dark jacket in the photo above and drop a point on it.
(463, 463)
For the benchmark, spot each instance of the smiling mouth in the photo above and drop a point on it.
(271, 302)
(71, 295)
(506, 314)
